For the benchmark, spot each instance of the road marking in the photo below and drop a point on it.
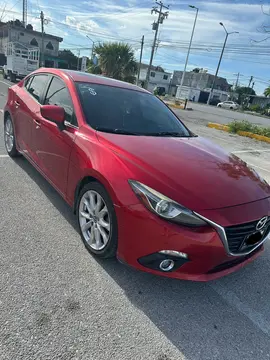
(257, 166)
(4, 156)
(254, 316)
(249, 151)
(3, 82)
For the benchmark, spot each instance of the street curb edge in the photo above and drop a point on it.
(241, 133)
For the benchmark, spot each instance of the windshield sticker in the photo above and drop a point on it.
(92, 91)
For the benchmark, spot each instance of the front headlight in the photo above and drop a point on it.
(165, 207)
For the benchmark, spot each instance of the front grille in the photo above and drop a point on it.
(232, 263)
(236, 234)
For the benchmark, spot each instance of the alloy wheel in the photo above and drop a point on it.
(94, 220)
(9, 135)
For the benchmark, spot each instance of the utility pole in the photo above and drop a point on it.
(42, 38)
(24, 17)
(221, 55)
(250, 81)
(253, 85)
(78, 61)
(237, 80)
(190, 43)
(155, 26)
(140, 63)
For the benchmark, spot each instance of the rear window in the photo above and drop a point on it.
(124, 110)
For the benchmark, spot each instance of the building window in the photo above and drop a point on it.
(165, 77)
(49, 46)
(34, 42)
(152, 74)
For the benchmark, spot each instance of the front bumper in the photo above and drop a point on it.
(142, 234)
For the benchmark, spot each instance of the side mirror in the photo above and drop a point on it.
(54, 113)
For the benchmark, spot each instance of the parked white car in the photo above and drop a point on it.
(228, 105)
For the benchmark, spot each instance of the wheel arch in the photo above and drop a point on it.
(93, 178)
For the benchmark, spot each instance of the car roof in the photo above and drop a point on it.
(91, 78)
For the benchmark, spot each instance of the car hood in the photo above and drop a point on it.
(192, 171)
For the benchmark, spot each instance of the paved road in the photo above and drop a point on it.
(203, 114)
(58, 302)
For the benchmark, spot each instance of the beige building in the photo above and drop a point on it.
(30, 38)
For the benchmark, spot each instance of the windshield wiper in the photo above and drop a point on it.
(115, 131)
(168, 133)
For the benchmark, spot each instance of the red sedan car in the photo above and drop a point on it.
(143, 187)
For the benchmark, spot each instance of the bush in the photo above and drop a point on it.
(255, 108)
(236, 126)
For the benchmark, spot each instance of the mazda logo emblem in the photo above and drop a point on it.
(261, 223)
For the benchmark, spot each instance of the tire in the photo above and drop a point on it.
(5, 76)
(219, 106)
(9, 137)
(100, 235)
(12, 77)
(231, 108)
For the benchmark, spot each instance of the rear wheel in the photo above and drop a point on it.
(12, 77)
(9, 135)
(97, 220)
(219, 106)
(231, 108)
(5, 76)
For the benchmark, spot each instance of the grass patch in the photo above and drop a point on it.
(235, 126)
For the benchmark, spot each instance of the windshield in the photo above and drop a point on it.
(124, 111)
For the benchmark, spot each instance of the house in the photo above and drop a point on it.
(201, 80)
(14, 31)
(262, 101)
(158, 77)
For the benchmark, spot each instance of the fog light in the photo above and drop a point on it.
(174, 253)
(166, 265)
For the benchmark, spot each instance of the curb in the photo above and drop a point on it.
(241, 133)
(218, 126)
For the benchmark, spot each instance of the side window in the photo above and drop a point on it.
(28, 82)
(58, 94)
(37, 85)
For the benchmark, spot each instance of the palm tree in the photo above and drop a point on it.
(115, 60)
(267, 91)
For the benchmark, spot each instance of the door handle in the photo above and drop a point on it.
(38, 123)
(17, 104)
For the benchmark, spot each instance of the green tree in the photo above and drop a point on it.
(69, 57)
(115, 60)
(243, 93)
(267, 91)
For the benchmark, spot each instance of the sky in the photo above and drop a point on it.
(247, 53)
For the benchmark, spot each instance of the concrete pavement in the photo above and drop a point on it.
(204, 114)
(58, 302)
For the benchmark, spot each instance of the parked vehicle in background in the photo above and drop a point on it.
(21, 61)
(143, 187)
(160, 91)
(228, 105)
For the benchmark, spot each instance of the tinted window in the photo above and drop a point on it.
(37, 86)
(28, 82)
(59, 95)
(120, 110)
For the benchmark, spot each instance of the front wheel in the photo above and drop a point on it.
(5, 76)
(219, 106)
(97, 220)
(9, 136)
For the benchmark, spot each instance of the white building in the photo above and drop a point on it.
(28, 37)
(158, 77)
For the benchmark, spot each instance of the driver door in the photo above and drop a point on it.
(53, 146)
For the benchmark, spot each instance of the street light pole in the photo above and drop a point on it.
(190, 43)
(93, 47)
(221, 55)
